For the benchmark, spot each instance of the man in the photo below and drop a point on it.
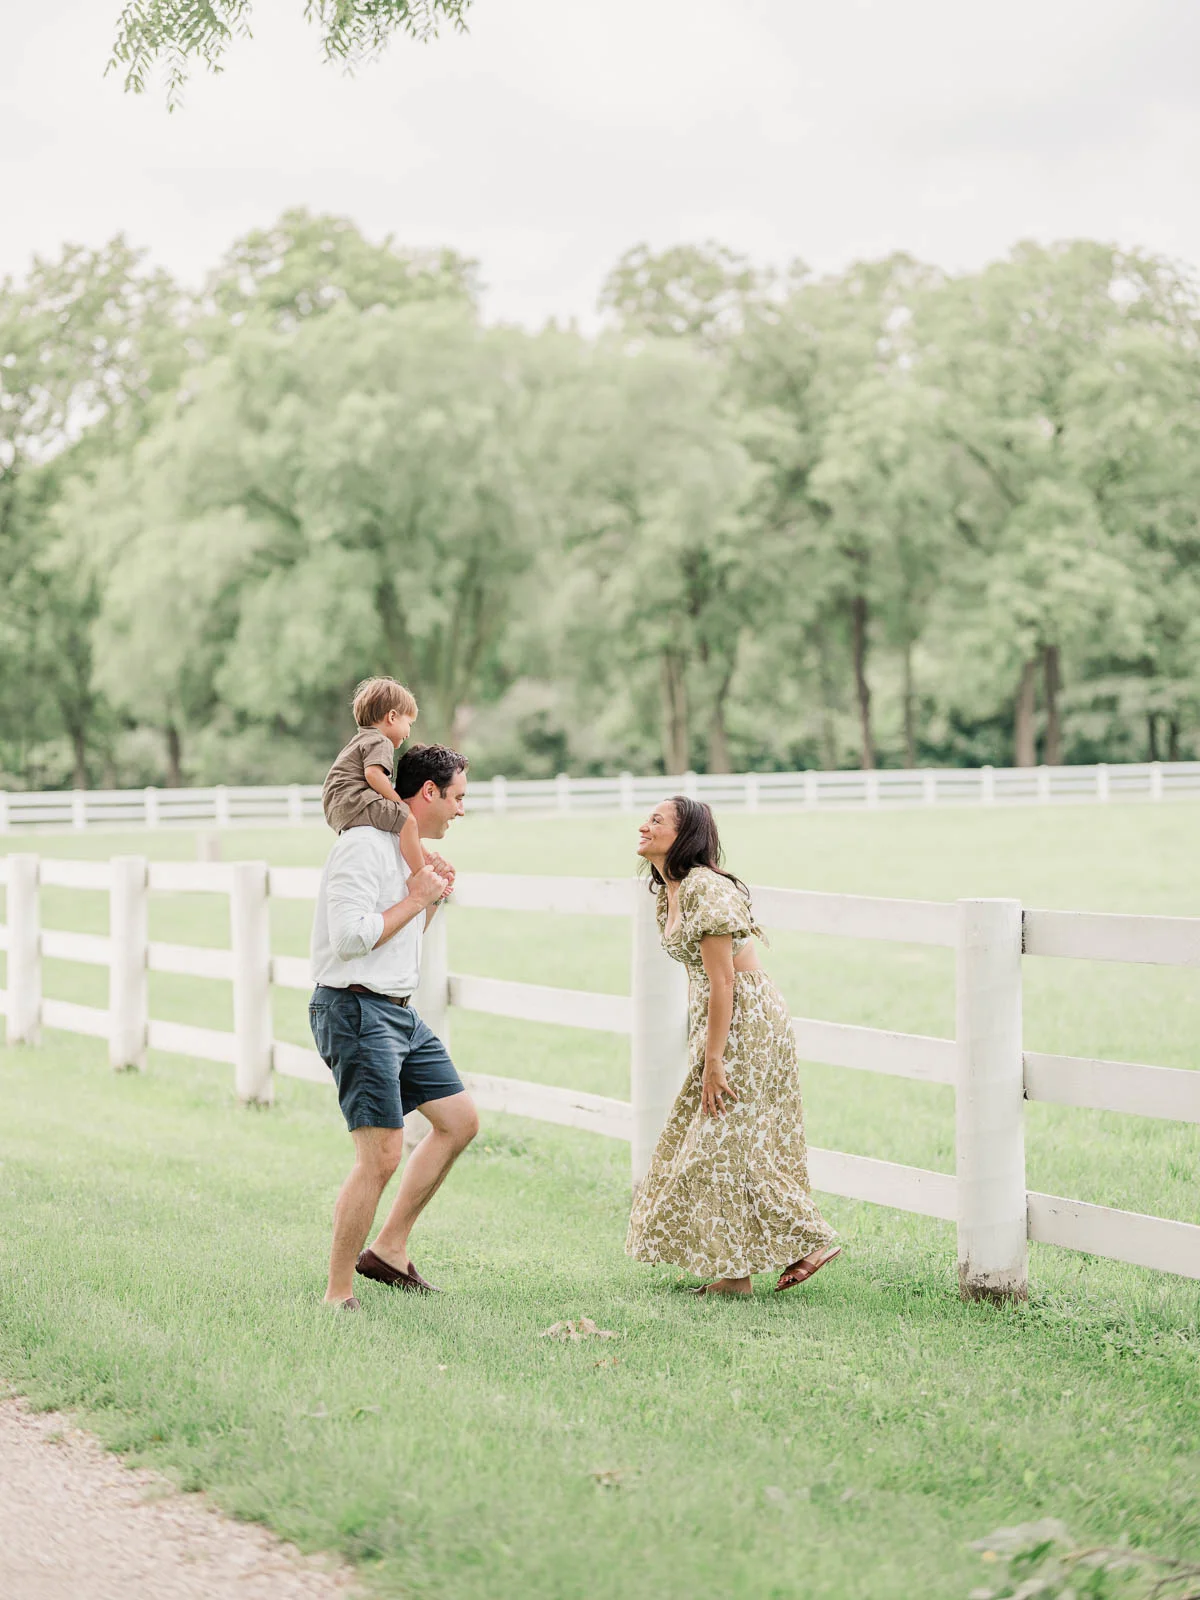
(366, 958)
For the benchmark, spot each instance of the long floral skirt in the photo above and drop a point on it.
(729, 1196)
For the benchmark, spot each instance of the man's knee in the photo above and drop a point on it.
(455, 1117)
(379, 1150)
(469, 1126)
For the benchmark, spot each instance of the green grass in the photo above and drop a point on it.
(161, 1253)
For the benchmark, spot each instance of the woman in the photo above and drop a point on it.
(727, 1193)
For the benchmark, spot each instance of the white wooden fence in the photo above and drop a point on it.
(296, 804)
(991, 1074)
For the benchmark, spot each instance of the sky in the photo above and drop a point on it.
(556, 134)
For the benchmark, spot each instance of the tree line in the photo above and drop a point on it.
(888, 516)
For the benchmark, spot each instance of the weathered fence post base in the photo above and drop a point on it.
(989, 1104)
(658, 1048)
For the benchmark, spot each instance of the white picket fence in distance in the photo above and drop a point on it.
(297, 804)
(992, 1075)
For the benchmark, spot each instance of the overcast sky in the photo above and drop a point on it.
(558, 133)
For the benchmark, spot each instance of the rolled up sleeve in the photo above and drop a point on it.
(354, 924)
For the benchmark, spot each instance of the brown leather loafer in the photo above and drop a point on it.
(369, 1265)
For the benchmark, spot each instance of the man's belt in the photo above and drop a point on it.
(394, 999)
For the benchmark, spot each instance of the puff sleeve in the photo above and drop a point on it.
(712, 905)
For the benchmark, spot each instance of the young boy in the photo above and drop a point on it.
(358, 791)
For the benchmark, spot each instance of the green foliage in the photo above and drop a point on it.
(1043, 1562)
(175, 34)
(885, 516)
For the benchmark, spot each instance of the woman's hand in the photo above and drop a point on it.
(717, 1094)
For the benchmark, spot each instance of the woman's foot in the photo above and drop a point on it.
(725, 1286)
(802, 1271)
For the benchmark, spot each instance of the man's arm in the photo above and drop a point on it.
(352, 888)
(425, 889)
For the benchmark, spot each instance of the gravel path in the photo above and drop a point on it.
(77, 1524)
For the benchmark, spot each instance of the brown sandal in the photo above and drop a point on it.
(800, 1271)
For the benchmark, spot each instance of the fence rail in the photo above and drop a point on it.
(992, 1075)
(296, 804)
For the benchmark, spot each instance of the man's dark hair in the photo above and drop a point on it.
(426, 763)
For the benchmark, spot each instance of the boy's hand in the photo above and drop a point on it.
(426, 887)
(442, 868)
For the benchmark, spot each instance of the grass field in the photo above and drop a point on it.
(161, 1252)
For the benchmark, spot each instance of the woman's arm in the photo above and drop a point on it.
(716, 1092)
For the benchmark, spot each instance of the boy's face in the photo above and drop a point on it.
(397, 726)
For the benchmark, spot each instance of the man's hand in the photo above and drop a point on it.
(442, 867)
(426, 887)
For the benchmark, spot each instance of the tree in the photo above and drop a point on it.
(305, 265)
(812, 360)
(700, 292)
(88, 342)
(1028, 356)
(173, 34)
(889, 534)
(656, 485)
(376, 462)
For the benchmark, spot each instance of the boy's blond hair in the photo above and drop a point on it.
(375, 697)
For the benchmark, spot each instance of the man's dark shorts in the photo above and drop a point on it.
(384, 1059)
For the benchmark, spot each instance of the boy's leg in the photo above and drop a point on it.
(377, 1153)
(453, 1124)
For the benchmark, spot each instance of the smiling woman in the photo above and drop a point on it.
(176, 33)
(727, 1193)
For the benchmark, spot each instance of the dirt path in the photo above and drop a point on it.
(75, 1523)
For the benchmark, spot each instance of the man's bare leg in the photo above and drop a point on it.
(453, 1124)
(377, 1153)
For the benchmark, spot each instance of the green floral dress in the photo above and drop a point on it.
(729, 1196)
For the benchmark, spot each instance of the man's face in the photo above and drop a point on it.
(436, 811)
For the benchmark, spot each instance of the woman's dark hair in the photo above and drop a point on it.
(427, 763)
(697, 844)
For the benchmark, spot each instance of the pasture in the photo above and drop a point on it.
(162, 1251)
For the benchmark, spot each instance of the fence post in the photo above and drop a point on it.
(1156, 783)
(128, 1006)
(752, 792)
(432, 1002)
(989, 1103)
(4, 824)
(24, 952)
(1102, 781)
(562, 791)
(499, 795)
(150, 800)
(625, 791)
(1043, 784)
(810, 787)
(295, 804)
(79, 809)
(691, 785)
(987, 786)
(658, 1048)
(250, 931)
(929, 786)
(221, 806)
(871, 789)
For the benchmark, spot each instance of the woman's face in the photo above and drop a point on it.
(657, 834)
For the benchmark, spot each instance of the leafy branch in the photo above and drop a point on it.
(1044, 1563)
(175, 34)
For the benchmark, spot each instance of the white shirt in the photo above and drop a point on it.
(364, 875)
